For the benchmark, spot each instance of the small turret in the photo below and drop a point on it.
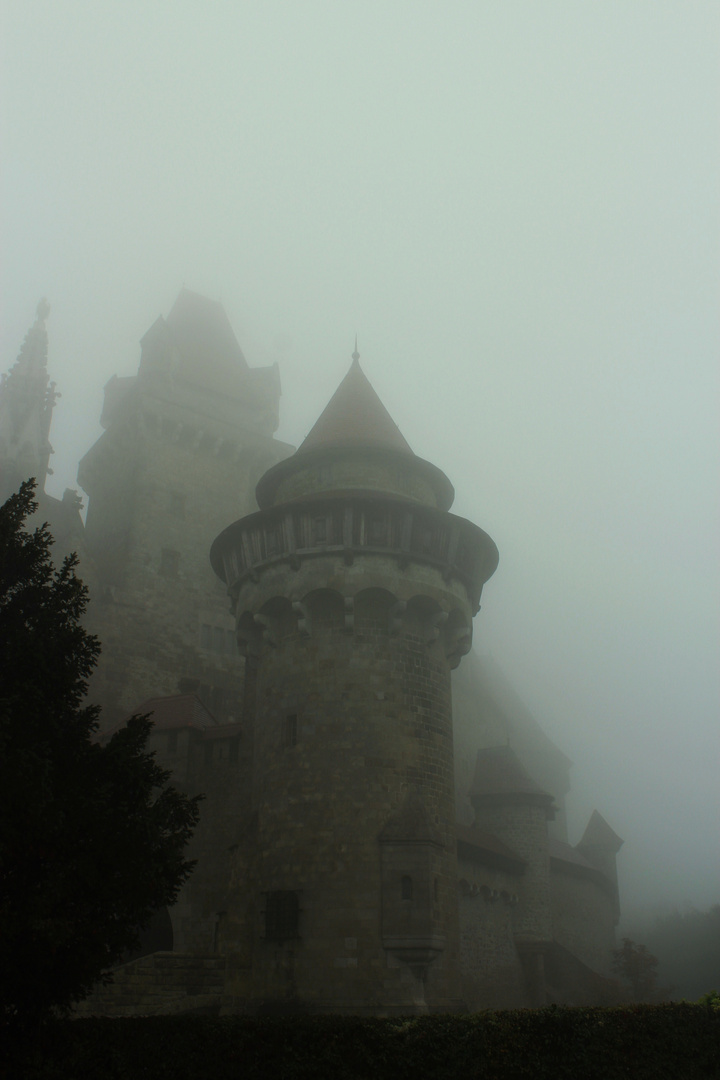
(354, 591)
(355, 445)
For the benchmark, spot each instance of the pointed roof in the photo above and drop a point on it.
(599, 835)
(355, 416)
(499, 775)
(356, 425)
(171, 711)
(203, 333)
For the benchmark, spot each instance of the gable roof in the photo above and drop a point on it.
(173, 711)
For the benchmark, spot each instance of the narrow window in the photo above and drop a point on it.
(281, 916)
(436, 889)
(406, 888)
(172, 742)
(169, 562)
(290, 731)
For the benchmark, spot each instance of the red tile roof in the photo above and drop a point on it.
(174, 711)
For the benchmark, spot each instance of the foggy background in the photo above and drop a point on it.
(515, 206)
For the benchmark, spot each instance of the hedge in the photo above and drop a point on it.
(673, 1041)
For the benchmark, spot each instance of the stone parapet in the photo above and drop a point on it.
(353, 526)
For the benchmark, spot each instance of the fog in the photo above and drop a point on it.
(515, 207)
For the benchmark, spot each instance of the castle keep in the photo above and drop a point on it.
(368, 844)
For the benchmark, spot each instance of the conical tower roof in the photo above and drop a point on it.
(598, 835)
(355, 416)
(355, 445)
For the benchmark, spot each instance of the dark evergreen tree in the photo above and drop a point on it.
(92, 837)
(637, 967)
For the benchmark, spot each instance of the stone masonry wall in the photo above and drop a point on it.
(523, 828)
(162, 593)
(583, 917)
(161, 984)
(492, 975)
(373, 720)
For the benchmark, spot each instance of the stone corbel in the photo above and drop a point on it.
(437, 623)
(303, 617)
(267, 629)
(395, 617)
(458, 642)
(349, 603)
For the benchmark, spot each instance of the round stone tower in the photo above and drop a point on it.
(354, 591)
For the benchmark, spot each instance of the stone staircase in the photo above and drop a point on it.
(158, 985)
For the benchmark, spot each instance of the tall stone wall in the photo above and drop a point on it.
(523, 828)
(160, 613)
(492, 975)
(348, 722)
(583, 915)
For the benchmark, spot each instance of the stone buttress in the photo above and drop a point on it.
(354, 591)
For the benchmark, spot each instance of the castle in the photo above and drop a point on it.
(377, 837)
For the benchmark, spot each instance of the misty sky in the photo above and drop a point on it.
(515, 205)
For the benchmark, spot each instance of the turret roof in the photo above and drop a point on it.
(498, 772)
(598, 834)
(355, 424)
(355, 416)
(203, 333)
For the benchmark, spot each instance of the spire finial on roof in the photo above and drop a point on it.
(356, 354)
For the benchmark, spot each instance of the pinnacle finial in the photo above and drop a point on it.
(356, 354)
